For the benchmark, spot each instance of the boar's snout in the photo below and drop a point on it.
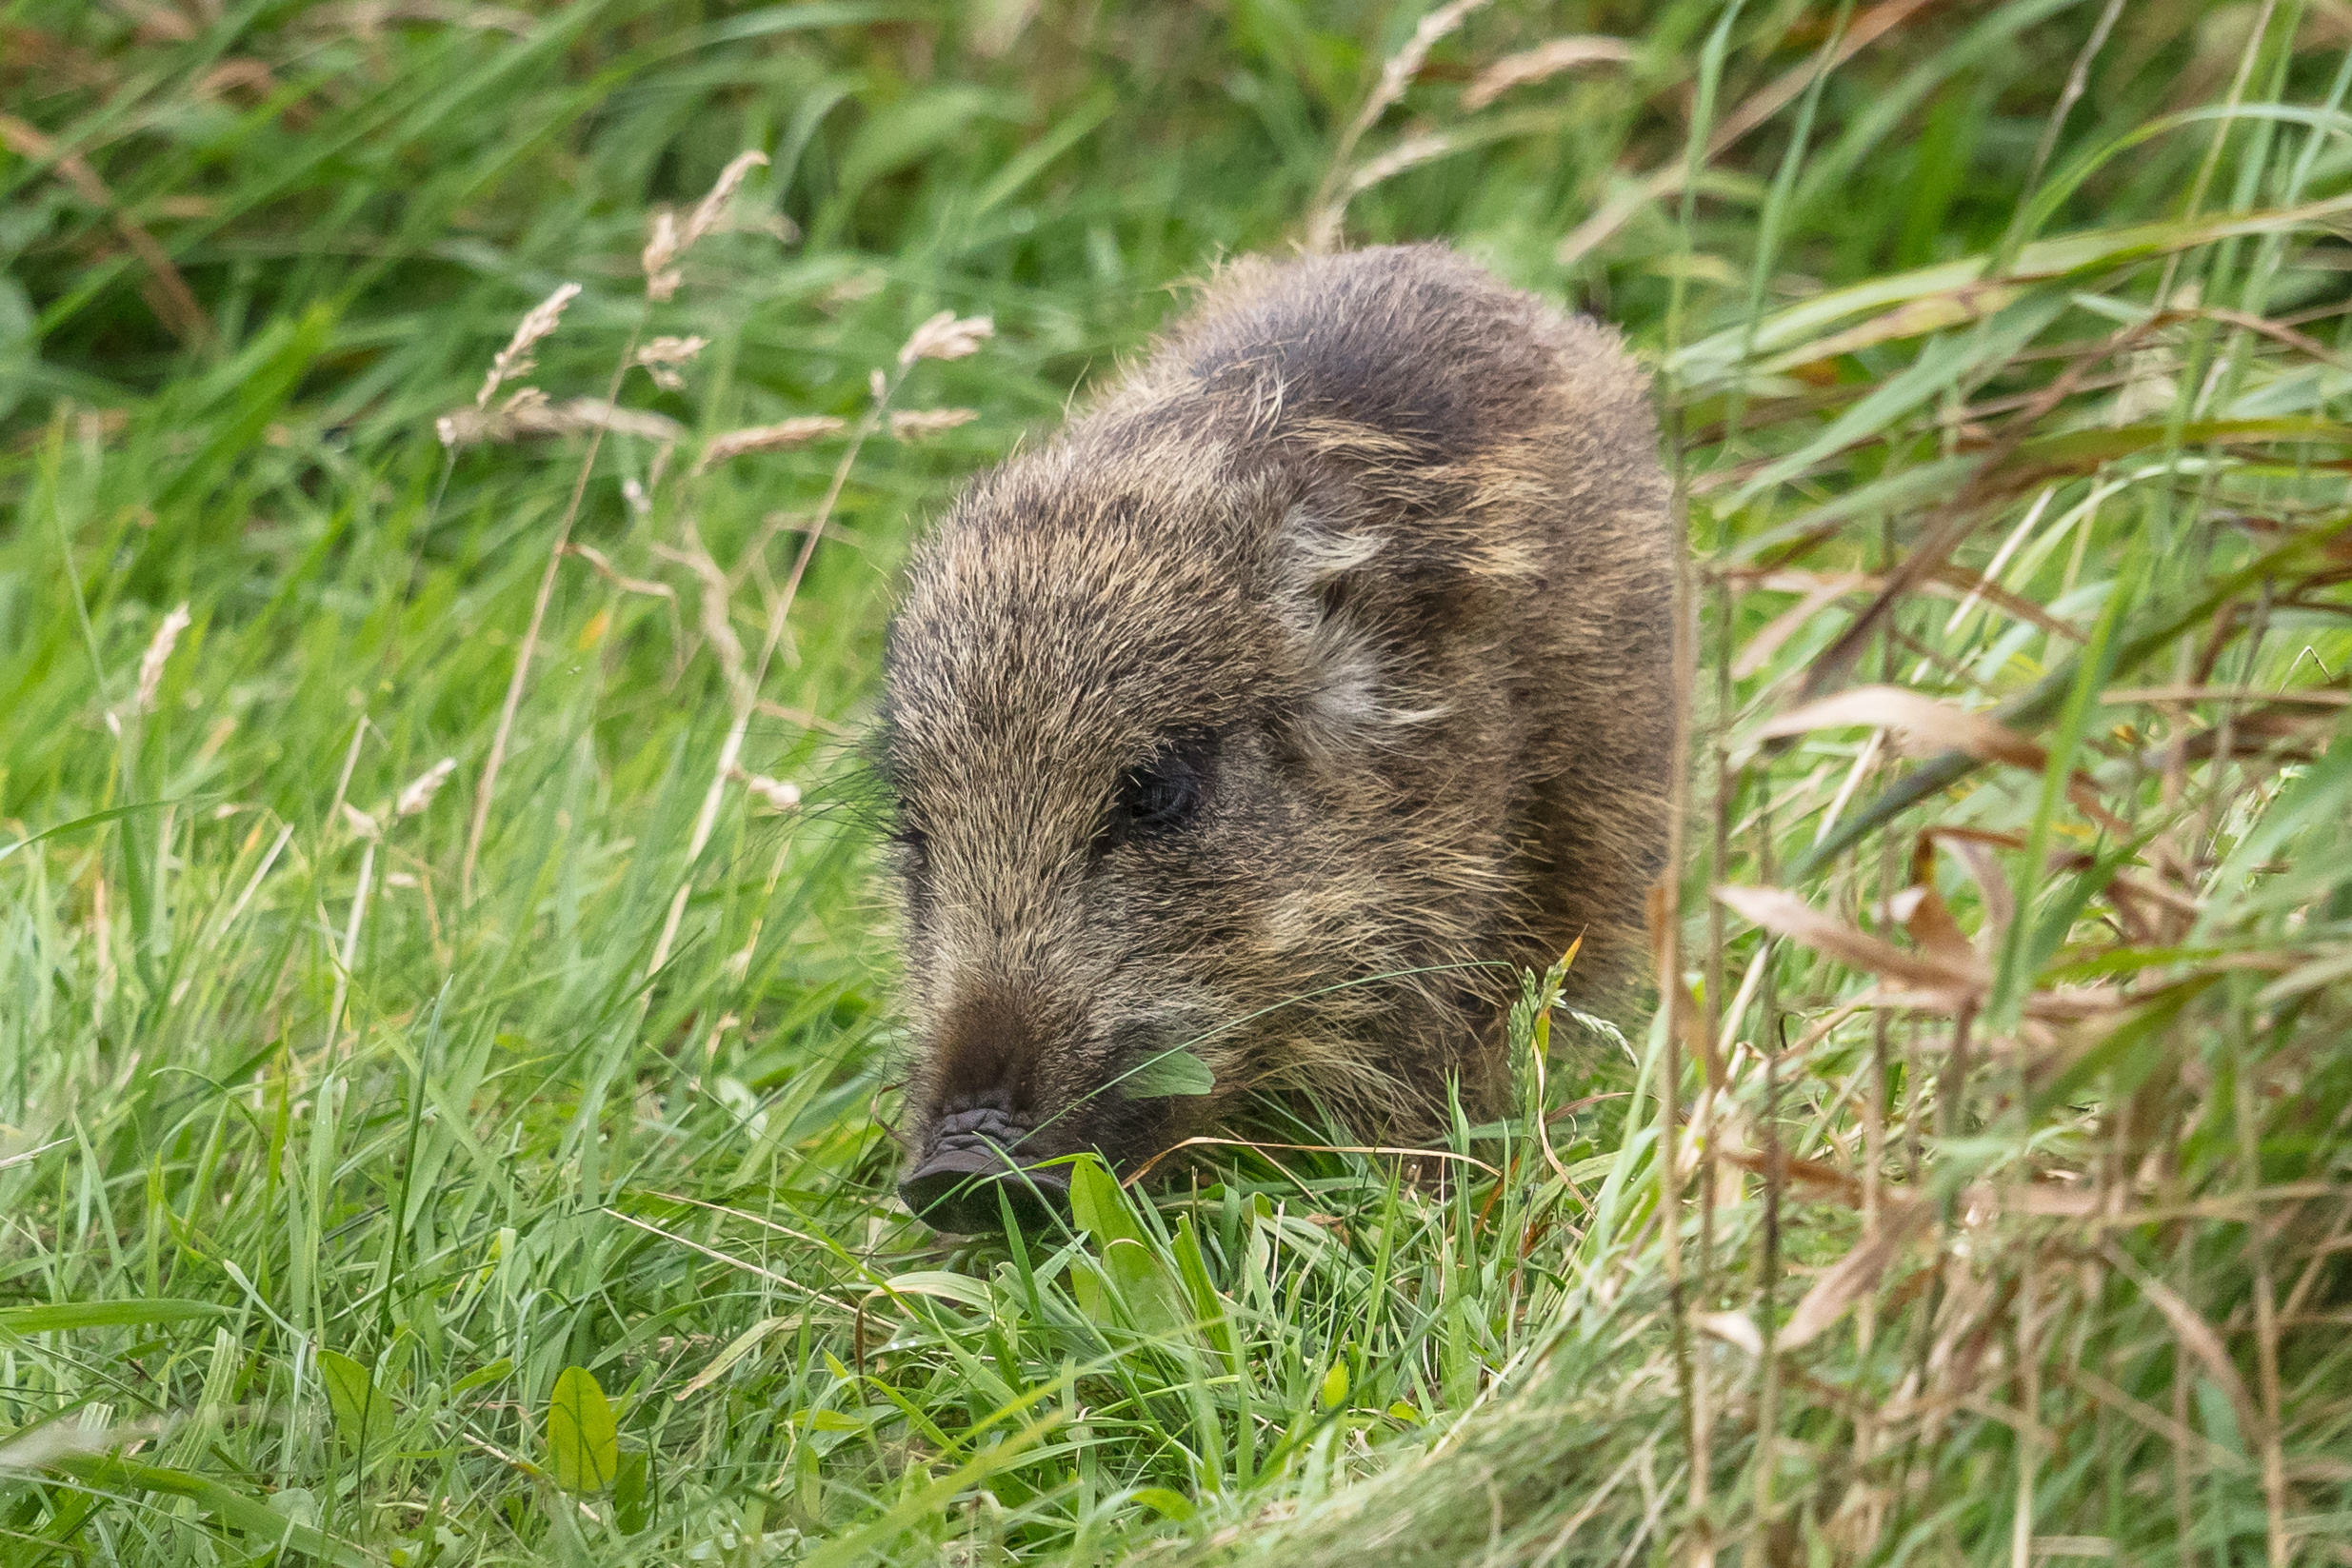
(972, 1158)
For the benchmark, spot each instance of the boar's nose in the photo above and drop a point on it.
(957, 1188)
(972, 1155)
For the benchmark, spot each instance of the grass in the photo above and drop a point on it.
(373, 1195)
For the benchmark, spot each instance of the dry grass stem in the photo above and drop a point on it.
(486, 789)
(176, 304)
(1541, 64)
(1758, 110)
(1327, 211)
(1411, 153)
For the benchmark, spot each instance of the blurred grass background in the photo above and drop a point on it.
(376, 1189)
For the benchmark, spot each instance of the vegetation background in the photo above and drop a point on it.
(445, 1051)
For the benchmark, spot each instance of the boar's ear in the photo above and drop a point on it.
(1328, 594)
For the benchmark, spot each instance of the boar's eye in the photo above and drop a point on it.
(1165, 795)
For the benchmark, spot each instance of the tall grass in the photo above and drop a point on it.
(418, 1164)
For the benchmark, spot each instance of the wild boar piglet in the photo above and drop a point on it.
(1270, 717)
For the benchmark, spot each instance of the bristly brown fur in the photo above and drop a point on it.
(1362, 582)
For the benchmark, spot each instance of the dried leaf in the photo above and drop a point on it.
(1852, 1276)
(1733, 1328)
(1929, 920)
(1818, 595)
(1790, 1170)
(1934, 726)
(1939, 725)
(1784, 914)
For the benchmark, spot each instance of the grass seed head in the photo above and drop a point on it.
(914, 424)
(778, 437)
(948, 336)
(659, 359)
(662, 247)
(670, 239)
(421, 791)
(159, 653)
(528, 412)
(713, 207)
(514, 359)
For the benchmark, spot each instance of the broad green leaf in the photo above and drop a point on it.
(1086, 1279)
(1171, 1072)
(1144, 1283)
(1335, 1387)
(584, 1447)
(632, 1493)
(1166, 1503)
(483, 1376)
(363, 1410)
(837, 1421)
(1200, 1290)
(1098, 1206)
